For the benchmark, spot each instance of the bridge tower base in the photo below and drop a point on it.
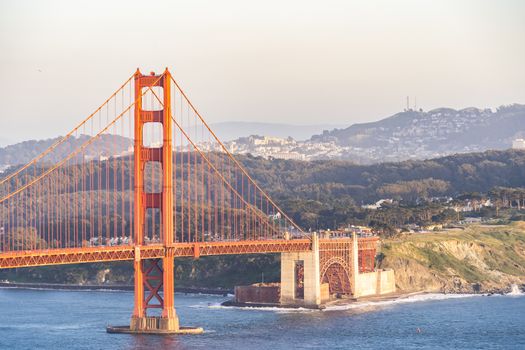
(300, 280)
(152, 323)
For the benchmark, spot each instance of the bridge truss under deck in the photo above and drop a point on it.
(123, 253)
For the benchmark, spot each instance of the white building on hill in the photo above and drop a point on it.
(518, 144)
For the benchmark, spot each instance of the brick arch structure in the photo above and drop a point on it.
(335, 265)
(336, 273)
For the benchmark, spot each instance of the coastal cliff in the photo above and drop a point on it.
(471, 260)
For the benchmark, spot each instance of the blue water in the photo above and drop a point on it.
(50, 319)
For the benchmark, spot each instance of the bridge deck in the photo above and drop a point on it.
(127, 252)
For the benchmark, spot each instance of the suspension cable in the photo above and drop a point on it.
(232, 157)
(82, 147)
(65, 138)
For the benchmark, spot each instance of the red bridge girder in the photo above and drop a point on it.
(120, 253)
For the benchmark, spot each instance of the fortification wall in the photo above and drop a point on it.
(379, 282)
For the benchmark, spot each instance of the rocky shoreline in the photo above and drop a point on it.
(372, 302)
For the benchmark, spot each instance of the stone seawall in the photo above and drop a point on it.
(258, 293)
(379, 282)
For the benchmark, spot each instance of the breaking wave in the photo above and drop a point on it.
(402, 300)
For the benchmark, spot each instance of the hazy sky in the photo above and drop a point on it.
(279, 61)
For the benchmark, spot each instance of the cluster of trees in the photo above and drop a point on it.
(508, 197)
(407, 181)
(325, 194)
(330, 194)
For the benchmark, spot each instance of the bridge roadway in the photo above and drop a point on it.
(60, 256)
(29, 258)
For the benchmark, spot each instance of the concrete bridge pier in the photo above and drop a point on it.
(299, 289)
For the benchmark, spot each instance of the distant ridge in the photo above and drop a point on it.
(417, 134)
(227, 131)
(23, 152)
(406, 135)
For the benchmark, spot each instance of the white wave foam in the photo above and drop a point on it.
(253, 308)
(360, 305)
(515, 291)
(405, 300)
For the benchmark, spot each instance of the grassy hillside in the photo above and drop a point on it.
(479, 258)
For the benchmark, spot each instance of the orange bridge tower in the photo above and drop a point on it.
(153, 275)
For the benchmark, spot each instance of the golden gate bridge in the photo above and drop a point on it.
(144, 178)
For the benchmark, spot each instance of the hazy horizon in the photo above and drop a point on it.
(296, 62)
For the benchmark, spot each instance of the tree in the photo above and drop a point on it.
(23, 238)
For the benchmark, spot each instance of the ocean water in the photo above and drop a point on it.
(51, 319)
